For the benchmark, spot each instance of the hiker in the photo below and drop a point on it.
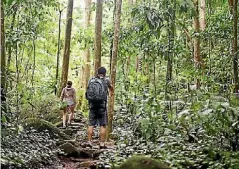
(96, 94)
(68, 95)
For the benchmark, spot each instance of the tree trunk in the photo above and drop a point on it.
(58, 51)
(170, 53)
(66, 56)
(114, 62)
(233, 9)
(3, 52)
(202, 23)
(10, 45)
(87, 50)
(111, 49)
(196, 41)
(202, 14)
(98, 31)
(34, 59)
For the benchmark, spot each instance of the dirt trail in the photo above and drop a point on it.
(86, 157)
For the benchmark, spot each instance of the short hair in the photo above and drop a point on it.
(69, 83)
(102, 70)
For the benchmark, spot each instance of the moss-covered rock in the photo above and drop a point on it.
(42, 125)
(69, 149)
(142, 162)
(68, 131)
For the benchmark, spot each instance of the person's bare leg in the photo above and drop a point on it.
(64, 118)
(89, 133)
(71, 114)
(102, 135)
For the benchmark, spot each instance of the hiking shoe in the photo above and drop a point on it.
(103, 146)
(88, 144)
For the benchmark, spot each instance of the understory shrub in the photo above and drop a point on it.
(46, 107)
(203, 134)
(28, 149)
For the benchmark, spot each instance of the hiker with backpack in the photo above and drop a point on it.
(68, 97)
(97, 94)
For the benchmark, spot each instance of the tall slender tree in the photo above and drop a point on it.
(170, 54)
(202, 15)
(202, 24)
(3, 52)
(233, 9)
(87, 50)
(98, 32)
(58, 50)
(114, 61)
(196, 41)
(66, 56)
(9, 47)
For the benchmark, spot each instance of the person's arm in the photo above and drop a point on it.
(62, 94)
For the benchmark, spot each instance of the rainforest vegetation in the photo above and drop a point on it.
(173, 64)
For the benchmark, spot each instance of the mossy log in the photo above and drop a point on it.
(42, 125)
(142, 162)
(58, 124)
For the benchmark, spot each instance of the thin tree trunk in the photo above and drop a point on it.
(3, 52)
(111, 52)
(196, 41)
(114, 62)
(10, 46)
(202, 14)
(233, 9)
(87, 51)
(137, 64)
(202, 23)
(66, 56)
(154, 70)
(58, 51)
(34, 60)
(170, 54)
(111, 45)
(98, 31)
(17, 77)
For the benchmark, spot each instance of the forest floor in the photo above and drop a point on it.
(87, 157)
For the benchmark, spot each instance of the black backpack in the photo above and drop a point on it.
(96, 91)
